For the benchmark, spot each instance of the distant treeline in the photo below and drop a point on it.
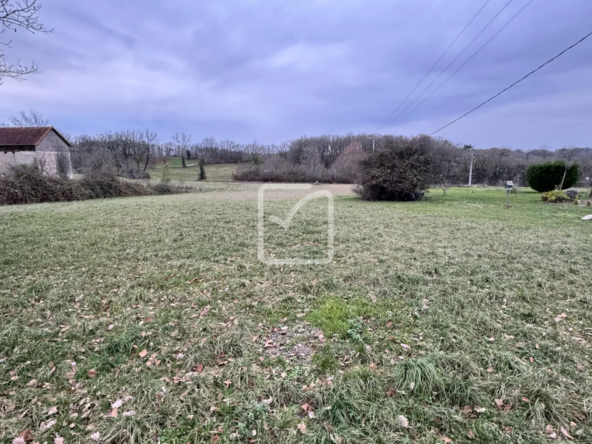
(337, 159)
(308, 159)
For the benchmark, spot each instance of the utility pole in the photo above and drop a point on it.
(470, 149)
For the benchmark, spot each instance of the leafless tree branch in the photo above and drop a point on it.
(16, 14)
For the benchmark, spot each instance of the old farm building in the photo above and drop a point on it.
(43, 146)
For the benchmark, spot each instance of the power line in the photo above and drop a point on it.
(434, 65)
(467, 61)
(515, 83)
(451, 63)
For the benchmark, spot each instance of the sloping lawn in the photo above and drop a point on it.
(151, 319)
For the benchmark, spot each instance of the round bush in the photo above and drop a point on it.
(546, 176)
(398, 171)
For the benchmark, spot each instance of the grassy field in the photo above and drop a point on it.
(214, 173)
(452, 320)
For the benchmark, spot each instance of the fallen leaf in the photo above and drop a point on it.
(26, 435)
(404, 422)
(92, 373)
(18, 440)
(199, 368)
(525, 399)
(129, 413)
(53, 410)
(447, 440)
(561, 317)
(470, 434)
(113, 413)
(405, 347)
(389, 324)
(480, 409)
(305, 407)
(302, 428)
(390, 392)
(373, 366)
(117, 404)
(491, 339)
(58, 440)
(566, 433)
(548, 429)
(499, 403)
(95, 436)
(490, 370)
(531, 359)
(46, 425)
(143, 353)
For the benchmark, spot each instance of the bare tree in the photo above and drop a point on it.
(31, 118)
(16, 14)
(182, 142)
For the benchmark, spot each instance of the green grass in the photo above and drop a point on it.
(214, 173)
(430, 310)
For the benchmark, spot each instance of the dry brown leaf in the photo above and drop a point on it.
(46, 425)
(548, 429)
(58, 440)
(490, 370)
(305, 407)
(302, 428)
(113, 413)
(499, 403)
(373, 366)
(566, 433)
(53, 410)
(26, 435)
(92, 373)
(447, 440)
(470, 434)
(389, 324)
(143, 353)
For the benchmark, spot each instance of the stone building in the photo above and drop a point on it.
(43, 146)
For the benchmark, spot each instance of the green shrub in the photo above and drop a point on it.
(547, 176)
(398, 171)
(202, 170)
(166, 174)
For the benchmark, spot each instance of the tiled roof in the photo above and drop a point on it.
(25, 136)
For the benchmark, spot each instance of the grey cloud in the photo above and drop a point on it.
(274, 70)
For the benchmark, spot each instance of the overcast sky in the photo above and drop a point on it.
(273, 70)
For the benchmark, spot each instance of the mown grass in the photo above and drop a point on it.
(214, 173)
(431, 310)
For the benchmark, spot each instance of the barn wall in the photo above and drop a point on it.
(18, 158)
(49, 150)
